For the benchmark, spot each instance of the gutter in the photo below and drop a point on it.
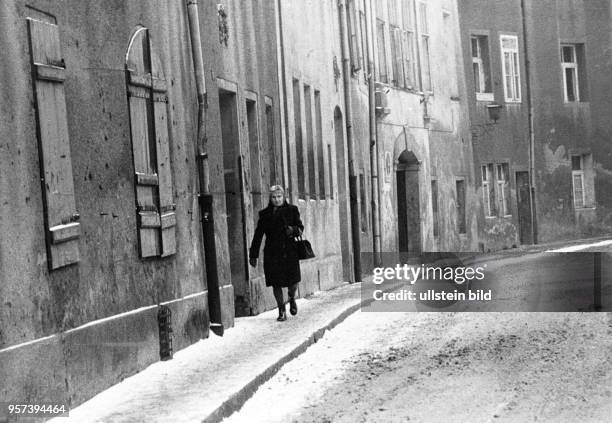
(348, 109)
(374, 149)
(532, 184)
(205, 198)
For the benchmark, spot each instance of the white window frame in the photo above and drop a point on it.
(515, 69)
(570, 65)
(486, 192)
(381, 44)
(579, 173)
(481, 94)
(408, 34)
(501, 188)
(422, 16)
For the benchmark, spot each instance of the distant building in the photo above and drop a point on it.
(425, 170)
(547, 178)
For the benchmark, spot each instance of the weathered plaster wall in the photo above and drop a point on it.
(563, 129)
(311, 41)
(507, 139)
(441, 144)
(110, 280)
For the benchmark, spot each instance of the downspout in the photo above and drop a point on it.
(348, 108)
(374, 149)
(282, 88)
(532, 184)
(205, 198)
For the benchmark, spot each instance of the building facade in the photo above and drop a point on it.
(396, 126)
(540, 154)
(423, 155)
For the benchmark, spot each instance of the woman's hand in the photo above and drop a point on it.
(253, 262)
(289, 230)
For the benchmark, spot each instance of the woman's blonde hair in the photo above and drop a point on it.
(276, 188)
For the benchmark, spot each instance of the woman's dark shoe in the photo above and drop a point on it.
(292, 306)
(282, 314)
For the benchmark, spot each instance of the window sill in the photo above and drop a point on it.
(485, 97)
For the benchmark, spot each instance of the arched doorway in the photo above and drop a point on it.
(341, 171)
(408, 204)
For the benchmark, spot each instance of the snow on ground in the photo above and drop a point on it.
(593, 246)
(304, 380)
(446, 367)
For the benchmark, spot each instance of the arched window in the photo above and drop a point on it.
(148, 100)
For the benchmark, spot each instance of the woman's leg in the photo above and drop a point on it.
(292, 304)
(278, 295)
(292, 290)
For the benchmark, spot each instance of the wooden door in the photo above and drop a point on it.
(524, 207)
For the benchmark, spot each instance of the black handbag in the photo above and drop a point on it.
(304, 249)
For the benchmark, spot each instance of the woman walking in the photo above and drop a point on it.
(280, 222)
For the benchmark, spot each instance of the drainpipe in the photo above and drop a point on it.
(205, 198)
(348, 109)
(532, 184)
(374, 149)
(282, 89)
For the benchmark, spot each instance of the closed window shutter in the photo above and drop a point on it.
(149, 128)
(63, 231)
(166, 200)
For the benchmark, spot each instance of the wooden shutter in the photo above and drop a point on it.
(147, 92)
(54, 145)
(166, 203)
(354, 46)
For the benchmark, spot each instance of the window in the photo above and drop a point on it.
(461, 223)
(320, 144)
(481, 67)
(408, 45)
(299, 147)
(434, 205)
(396, 57)
(503, 188)
(61, 227)
(273, 148)
(330, 165)
(578, 181)
(425, 53)
(312, 183)
(148, 107)
(364, 208)
(510, 68)
(364, 45)
(254, 154)
(382, 52)
(569, 67)
(354, 45)
(397, 78)
(488, 191)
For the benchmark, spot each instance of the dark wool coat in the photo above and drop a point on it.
(281, 263)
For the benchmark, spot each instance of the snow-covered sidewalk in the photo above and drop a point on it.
(211, 378)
